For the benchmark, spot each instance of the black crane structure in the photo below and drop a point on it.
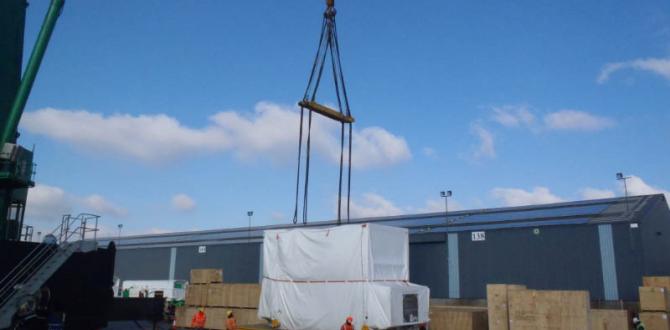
(328, 45)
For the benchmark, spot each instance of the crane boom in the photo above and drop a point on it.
(9, 131)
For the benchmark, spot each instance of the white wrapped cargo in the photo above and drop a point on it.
(315, 278)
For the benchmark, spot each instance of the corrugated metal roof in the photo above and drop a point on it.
(568, 213)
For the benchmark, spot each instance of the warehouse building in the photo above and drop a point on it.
(603, 246)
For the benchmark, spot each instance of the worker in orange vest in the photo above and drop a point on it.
(348, 325)
(231, 324)
(199, 319)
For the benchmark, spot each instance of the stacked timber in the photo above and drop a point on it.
(196, 295)
(183, 315)
(655, 302)
(549, 309)
(447, 317)
(610, 319)
(240, 298)
(234, 295)
(216, 317)
(513, 307)
(497, 298)
(206, 276)
(208, 291)
(201, 279)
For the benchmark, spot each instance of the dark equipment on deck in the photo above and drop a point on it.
(146, 309)
(328, 44)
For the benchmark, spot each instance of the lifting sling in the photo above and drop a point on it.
(328, 44)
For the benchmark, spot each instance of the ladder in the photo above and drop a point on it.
(19, 288)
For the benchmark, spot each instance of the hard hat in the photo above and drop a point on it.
(229, 313)
(202, 309)
(350, 319)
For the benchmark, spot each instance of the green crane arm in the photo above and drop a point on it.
(9, 131)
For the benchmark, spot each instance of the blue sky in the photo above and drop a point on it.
(180, 115)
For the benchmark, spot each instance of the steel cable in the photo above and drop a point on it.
(331, 44)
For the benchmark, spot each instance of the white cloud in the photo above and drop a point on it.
(659, 66)
(376, 205)
(270, 132)
(100, 205)
(144, 137)
(594, 193)
(46, 201)
(437, 205)
(513, 115)
(637, 186)
(47, 204)
(376, 147)
(519, 197)
(183, 202)
(107, 230)
(371, 205)
(486, 146)
(576, 120)
(522, 116)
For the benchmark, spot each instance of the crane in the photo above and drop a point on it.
(16, 162)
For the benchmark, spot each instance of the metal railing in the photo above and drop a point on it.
(27, 233)
(78, 226)
(69, 228)
(25, 269)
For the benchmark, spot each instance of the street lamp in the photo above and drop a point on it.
(120, 226)
(249, 214)
(446, 195)
(621, 177)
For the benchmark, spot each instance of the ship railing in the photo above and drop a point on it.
(71, 227)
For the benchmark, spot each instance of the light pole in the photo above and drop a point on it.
(446, 195)
(249, 214)
(621, 177)
(120, 227)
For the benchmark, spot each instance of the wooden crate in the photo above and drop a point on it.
(184, 315)
(218, 295)
(234, 295)
(654, 299)
(458, 318)
(555, 310)
(498, 312)
(655, 320)
(204, 276)
(657, 281)
(216, 317)
(610, 319)
(196, 295)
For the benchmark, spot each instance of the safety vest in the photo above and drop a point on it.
(199, 320)
(347, 327)
(231, 324)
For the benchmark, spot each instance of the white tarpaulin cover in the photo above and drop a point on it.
(314, 278)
